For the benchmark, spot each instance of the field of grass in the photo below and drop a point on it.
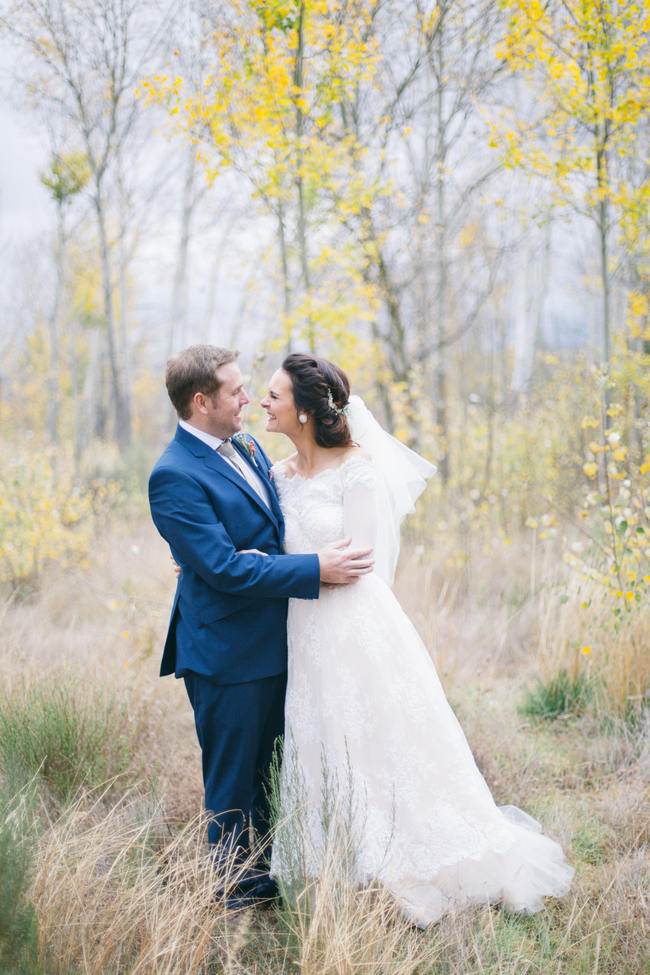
(102, 844)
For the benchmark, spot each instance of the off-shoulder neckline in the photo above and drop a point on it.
(356, 456)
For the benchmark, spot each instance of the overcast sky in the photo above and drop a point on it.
(25, 208)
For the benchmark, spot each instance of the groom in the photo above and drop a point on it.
(213, 501)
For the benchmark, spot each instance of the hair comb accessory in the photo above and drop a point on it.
(332, 405)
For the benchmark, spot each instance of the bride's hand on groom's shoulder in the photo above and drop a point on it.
(341, 565)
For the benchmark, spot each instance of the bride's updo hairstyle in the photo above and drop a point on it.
(322, 390)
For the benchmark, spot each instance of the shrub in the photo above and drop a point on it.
(18, 927)
(49, 511)
(563, 694)
(44, 515)
(50, 733)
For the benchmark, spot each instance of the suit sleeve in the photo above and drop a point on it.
(187, 520)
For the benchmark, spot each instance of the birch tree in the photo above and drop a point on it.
(65, 179)
(266, 112)
(84, 58)
(425, 146)
(589, 62)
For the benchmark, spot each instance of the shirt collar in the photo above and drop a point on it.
(208, 438)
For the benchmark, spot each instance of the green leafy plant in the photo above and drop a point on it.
(53, 735)
(18, 925)
(563, 694)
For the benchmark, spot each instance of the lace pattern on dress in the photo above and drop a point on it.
(372, 743)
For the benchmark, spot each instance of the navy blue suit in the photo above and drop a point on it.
(227, 633)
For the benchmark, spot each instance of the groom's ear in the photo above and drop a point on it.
(199, 401)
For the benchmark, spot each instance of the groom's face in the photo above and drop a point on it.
(223, 416)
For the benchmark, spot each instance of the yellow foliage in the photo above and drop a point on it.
(591, 61)
(45, 515)
(271, 109)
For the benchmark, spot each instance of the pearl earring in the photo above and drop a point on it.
(302, 417)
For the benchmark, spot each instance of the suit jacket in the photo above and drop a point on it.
(229, 616)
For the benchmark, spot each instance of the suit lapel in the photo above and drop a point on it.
(261, 470)
(221, 466)
(275, 501)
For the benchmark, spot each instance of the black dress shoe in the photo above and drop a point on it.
(237, 903)
(264, 888)
(260, 891)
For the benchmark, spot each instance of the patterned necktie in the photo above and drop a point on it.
(227, 450)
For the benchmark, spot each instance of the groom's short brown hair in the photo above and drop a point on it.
(194, 370)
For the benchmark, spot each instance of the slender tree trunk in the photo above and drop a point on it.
(638, 348)
(527, 312)
(602, 222)
(95, 389)
(75, 382)
(178, 322)
(440, 392)
(302, 216)
(490, 404)
(53, 328)
(605, 353)
(601, 172)
(638, 414)
(395, 342)
(119, 404)
(382, 388)
(123, 301)
(284, 263)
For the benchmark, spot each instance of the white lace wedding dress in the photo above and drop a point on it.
(371, 742)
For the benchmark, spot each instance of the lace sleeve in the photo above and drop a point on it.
(359, 503)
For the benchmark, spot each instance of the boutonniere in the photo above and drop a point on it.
(246, 441)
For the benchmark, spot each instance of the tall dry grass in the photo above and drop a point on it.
(116, 892)
(579, 633)
(101, 630)
(113, 893)
(120, 881)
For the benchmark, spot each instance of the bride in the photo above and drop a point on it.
(374, 758)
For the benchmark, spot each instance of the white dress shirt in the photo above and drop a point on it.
(214, 443)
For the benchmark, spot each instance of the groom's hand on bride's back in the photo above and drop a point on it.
(340, 564)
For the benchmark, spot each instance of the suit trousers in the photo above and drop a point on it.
(237, 726)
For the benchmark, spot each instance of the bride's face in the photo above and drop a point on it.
(279, 405)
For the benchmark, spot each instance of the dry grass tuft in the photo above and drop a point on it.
(347, 930)
(115, 891)
(585, 631)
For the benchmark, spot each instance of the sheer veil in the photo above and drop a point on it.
(401, 478)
